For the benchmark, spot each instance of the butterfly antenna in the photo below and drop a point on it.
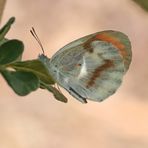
(34, 34)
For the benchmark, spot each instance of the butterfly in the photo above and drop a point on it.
(92, 67)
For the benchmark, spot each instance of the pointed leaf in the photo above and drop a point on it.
(21, 82)
(36, 67)
(10, 51)
(4, 40)
(6, 28)
(58, 95)
(142, 3)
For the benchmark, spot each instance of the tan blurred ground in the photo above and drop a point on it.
(38, 120)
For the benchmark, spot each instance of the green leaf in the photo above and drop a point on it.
(10, 51)
(58, 95)
(142, 3)
(36, 67)
(6, 28)
(4, 40)
(21, 82)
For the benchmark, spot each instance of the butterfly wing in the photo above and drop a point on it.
(92, 67)
(121, 42)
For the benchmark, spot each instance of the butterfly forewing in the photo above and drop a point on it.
(92, 67)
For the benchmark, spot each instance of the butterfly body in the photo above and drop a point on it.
(92, 67)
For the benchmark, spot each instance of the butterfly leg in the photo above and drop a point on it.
(77, 95)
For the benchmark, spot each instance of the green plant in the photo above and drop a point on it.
(142, 3)
(23, 76)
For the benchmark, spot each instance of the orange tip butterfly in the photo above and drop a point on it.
(92, 67)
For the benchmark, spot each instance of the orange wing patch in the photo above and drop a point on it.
(114, 41)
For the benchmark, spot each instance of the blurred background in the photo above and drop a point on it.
(38, 120)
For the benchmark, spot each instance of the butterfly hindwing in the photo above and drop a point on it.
(99, 74)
